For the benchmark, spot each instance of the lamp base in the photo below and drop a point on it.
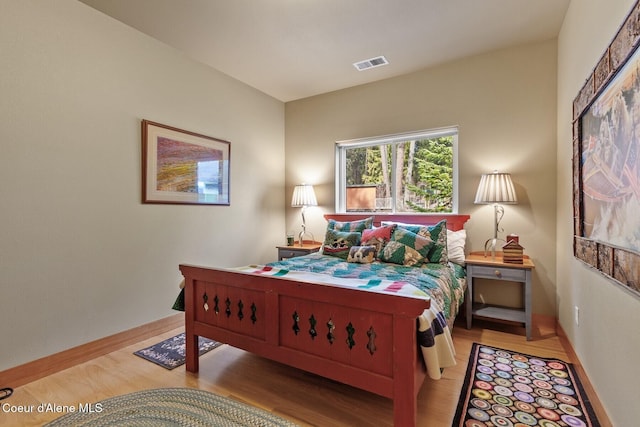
(301, 237)
(490, 246)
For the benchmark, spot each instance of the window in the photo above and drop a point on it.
(413, 172)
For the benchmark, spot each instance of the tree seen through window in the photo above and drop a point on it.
(414, 175)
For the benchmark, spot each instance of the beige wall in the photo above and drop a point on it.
(607, 338)
(80, 257)
(504, 104)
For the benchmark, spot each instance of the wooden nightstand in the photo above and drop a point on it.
(307, 248)
(479, 266)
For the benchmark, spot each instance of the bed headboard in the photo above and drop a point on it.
(455, 222)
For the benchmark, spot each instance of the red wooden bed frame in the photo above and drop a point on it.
(361, 338)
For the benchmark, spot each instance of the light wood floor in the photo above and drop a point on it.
(301, 397)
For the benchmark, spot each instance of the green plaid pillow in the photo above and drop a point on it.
(406, 248)
(437, 233)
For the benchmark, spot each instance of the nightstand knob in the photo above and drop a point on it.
(497, 273)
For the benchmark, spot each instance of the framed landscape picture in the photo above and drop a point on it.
(182, 167)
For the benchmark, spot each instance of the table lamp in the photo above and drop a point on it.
(303, 196)
(497, 189)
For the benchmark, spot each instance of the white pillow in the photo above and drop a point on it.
(456, 241)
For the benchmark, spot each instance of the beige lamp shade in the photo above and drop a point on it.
(496, 188)
(303, 195)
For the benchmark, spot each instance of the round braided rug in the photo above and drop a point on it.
(171, 407)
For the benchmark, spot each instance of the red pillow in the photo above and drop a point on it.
(378, 236)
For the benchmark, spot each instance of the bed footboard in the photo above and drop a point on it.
(365, 339)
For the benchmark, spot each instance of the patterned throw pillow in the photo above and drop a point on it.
(338, 243)
(359, 225)
(362, 254)
(437, 233)
(406, 248)
(378, 237)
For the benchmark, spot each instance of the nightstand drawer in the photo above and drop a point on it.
(286, 252)
(500, 273)
(291, 253)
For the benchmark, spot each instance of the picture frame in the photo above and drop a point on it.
(606, 161)
(183, 167)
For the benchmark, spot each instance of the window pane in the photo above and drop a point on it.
(368, 178)
(427, 184)
(414, 175)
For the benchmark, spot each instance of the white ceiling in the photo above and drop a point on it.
(292, 49)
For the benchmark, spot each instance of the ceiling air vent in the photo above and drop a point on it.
(378, 61)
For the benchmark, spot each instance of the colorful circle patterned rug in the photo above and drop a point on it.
(507, 389)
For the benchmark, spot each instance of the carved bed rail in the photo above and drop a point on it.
(361, 338)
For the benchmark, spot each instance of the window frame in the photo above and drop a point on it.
(341, 156)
